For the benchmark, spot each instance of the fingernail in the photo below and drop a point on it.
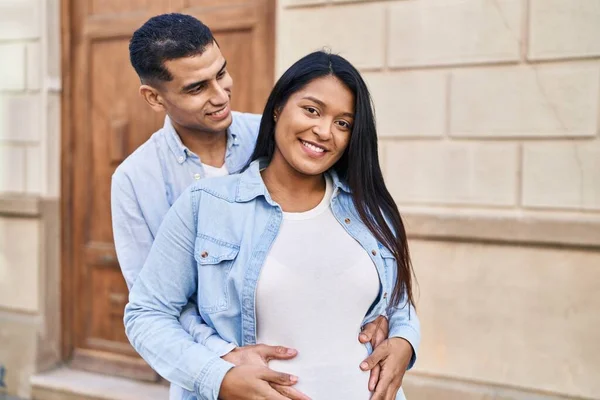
(291, 351)
(364, 365)
(363, 336)
(293, 378)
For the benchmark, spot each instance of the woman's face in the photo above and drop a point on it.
(313, 129)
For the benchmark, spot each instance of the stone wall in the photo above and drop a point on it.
(29, 190)
(488, 121)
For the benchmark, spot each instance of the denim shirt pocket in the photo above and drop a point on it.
(215, 259)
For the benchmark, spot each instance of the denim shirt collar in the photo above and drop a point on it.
(251, 184)
(179, 150)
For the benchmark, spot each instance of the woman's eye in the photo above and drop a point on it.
(344, 124)
(311, 110)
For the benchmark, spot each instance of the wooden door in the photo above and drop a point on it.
(104, 120)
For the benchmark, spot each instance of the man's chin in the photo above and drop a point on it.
(216, 127)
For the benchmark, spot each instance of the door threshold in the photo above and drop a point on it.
(69, 384)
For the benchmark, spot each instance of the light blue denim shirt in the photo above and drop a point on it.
(147, 184)
(212, 245)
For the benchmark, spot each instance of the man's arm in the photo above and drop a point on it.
(133, 240)
(161, 290)
(169, 278)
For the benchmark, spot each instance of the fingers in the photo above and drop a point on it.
(368, 331)
(381, 333)
(383, 389)
(380, 353)
(374, 378)
(378, 328)
(289, 392)
(279, 378)
(276, 352)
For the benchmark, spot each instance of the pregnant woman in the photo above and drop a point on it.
(308, 235)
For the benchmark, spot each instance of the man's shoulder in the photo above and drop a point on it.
(144, 159)
(245, 121)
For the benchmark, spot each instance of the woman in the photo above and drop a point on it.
(308, 235)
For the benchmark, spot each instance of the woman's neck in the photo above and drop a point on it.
(293, 191)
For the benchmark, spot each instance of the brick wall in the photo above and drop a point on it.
(488, 116)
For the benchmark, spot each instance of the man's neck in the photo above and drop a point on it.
(211, 147)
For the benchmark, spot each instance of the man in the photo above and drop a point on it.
(184, 74)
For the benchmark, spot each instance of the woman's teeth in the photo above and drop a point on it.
(312, 147)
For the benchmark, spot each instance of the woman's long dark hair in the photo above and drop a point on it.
(372, 200)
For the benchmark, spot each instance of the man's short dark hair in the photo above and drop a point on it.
(163, 38)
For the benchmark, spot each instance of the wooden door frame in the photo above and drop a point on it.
(67, 273)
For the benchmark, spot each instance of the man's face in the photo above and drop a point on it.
(199, 95)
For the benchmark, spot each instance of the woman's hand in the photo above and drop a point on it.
(375, 333)
(260, 355)
(253, 382)
(393, 355)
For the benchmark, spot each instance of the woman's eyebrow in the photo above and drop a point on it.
(319, 102)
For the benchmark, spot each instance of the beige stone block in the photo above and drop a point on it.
(20, 117)
(12, 68)
(53, 39)
(53, 146)
(356, 32)
(34, 66)
(71, 384)
(564, 28)
(452, 173)
(18, 336)
(34, 176)
(423, 387)
(525, 101)
(20, 19)
(409, 103)
(562, 175)
(19, 264)
(442, 32)
(299, 3)
(12, 168)
(516, 316)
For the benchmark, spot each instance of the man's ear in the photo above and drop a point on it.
(152, 97)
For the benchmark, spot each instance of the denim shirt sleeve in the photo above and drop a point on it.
(133, 240)
(169, 278)
(404, 323)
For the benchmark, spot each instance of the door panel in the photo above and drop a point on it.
(104, 120)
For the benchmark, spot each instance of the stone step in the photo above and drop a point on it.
(68, 384)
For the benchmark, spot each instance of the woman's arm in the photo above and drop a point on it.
(133, 241)
(162, 289)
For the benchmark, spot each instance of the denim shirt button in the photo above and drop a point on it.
(204, 254)
(374, 252)
(347, 220)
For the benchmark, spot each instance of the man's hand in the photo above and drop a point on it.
(260, 355)
(393, 355)
(375, 333)
(253, 382)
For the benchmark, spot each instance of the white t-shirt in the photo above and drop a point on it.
(314, 291)
(211, 172)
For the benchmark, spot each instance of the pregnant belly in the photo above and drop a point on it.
(329, 372)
